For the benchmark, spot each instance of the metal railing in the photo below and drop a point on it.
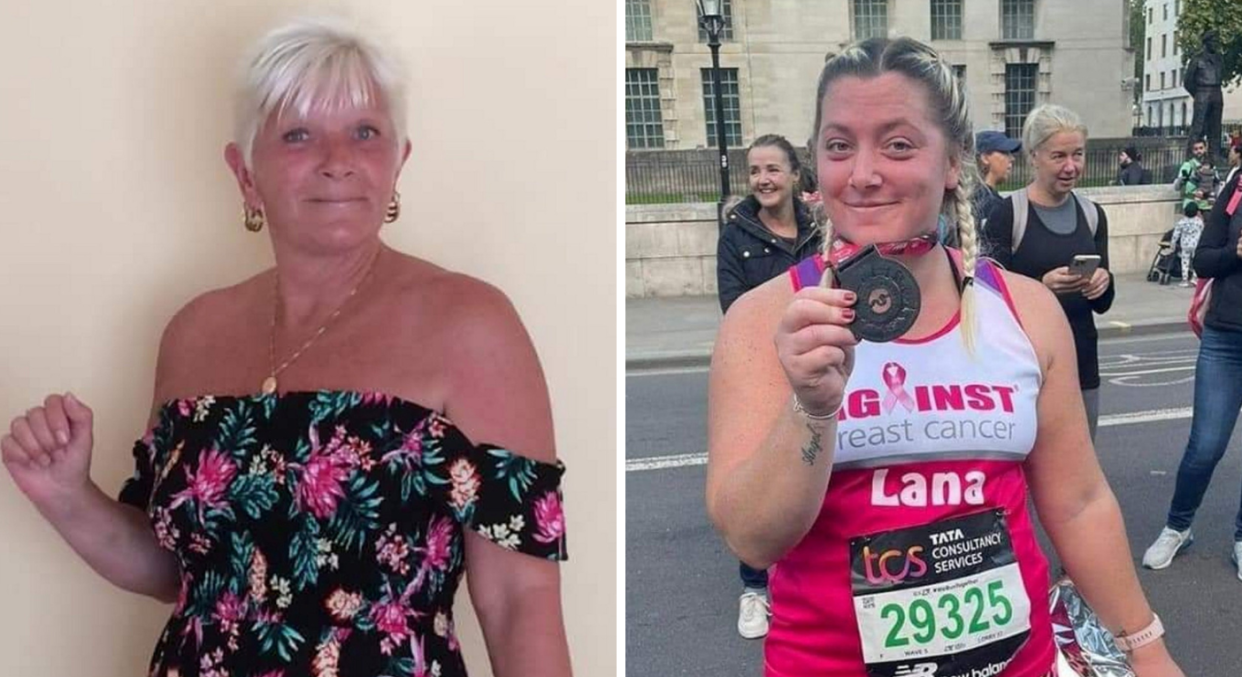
(694, 176)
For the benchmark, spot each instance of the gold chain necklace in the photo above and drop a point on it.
(270, 383)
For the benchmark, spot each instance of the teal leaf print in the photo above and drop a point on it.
(236, 431)
(213, 516)
(330, 405)
(240, 558)
(412, 482)
(269, 407)
(279, 637)
(162, 435)
(519, 471)
(433, 457)
(357, 515)
(203, 599)
(401, 666)
(301, 453)
(303, 552)
(255, 494)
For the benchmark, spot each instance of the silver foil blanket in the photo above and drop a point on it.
(1080, 637)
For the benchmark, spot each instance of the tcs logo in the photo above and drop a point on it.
(893, 566)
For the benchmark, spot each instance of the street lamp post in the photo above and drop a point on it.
(711, 18)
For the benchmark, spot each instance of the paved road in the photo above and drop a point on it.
(681, 582)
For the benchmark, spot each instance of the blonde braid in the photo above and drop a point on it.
(967, 237)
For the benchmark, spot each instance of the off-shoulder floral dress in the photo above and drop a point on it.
(322, 533)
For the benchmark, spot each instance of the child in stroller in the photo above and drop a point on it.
(1165, 264)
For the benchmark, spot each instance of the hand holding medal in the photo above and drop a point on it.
(888, 294)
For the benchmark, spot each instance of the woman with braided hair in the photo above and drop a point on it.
(887, 480)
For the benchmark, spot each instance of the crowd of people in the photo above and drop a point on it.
(824, 460)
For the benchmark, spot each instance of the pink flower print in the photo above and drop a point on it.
(321, 478)
(420, 660)
(230, 610)
(320, 487)
(465, 479)
(436, 426)
(208, 484)
(258, 576)
(390, 618)
(550, 518)
(392, 550)
(410, 454)
(375, 398)
(343, 605)
(439, 544)
(327, 658)
(166, 533)
(185, 408)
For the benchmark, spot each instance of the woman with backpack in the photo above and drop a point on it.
(1039, 230)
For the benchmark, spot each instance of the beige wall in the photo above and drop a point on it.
(116, 207)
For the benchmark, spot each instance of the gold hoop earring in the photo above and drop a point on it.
(254, 219)
(394, 208)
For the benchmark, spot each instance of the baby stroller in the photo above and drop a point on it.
(1166, 263)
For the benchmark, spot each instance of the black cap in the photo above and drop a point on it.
(990, 141)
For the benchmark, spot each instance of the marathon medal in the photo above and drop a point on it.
(888, 296)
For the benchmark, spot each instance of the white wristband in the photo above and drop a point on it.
(1149, 634)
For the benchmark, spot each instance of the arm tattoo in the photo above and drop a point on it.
(812, 448)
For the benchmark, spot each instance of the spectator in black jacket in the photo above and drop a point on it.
(764, 235)
(1218, 379)
(1057, 229)
(1132, 172)
(994, 152)
(771, 229)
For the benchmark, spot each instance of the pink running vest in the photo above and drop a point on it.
(923, 561)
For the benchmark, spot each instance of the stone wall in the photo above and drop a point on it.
(670, 250)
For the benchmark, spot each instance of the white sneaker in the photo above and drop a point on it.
(1161, 553)
(1237, 557)
(753, 611)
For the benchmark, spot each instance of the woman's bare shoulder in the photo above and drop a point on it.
(421, 290)
(209, 321)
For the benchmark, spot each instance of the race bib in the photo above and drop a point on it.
(943, 599)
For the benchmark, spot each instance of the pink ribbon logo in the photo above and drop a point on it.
(895, 381)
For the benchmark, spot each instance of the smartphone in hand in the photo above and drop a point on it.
(1084, 265)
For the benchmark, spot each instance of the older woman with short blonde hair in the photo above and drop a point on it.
(1043, 229)
(335, 441)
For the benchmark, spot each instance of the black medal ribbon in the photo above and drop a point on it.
(888, 295)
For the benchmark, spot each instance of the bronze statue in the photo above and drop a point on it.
(1203, 81)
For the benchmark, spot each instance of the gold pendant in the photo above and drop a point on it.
(269, 385)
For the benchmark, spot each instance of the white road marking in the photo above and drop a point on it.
(687, 460)
(1103, 374)
(1150, 416)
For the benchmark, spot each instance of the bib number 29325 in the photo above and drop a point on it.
(948, 594)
